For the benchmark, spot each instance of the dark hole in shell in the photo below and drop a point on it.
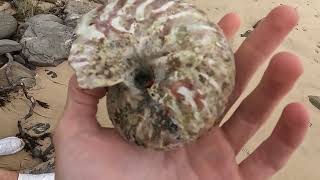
(144, 78)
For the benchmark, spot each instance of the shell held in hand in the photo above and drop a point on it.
(169, 70)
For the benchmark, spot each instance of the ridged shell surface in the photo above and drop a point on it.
(169, 70)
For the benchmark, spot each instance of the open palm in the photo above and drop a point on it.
(86, 151)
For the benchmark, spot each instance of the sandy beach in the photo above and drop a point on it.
(304, 41)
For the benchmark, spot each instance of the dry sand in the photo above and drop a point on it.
(304, 40)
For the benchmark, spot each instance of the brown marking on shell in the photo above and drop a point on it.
(199, 98)
(128, 23)
(158, 4)
(105, 26)
(178, 84)
(100, 8)
(137, 3)
(167, 28)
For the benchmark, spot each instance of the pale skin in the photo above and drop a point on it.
(85, 151)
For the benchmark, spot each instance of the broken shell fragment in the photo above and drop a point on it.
(10, 145)
(315, 101)
(168, 68)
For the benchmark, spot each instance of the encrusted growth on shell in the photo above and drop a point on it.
(169, 69)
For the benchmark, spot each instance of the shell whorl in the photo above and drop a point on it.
(169, 70)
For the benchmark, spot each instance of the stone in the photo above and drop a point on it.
(8, 46)
(19, 59)
(19, 73)
(75, 9)
(46, 43)
(6, 7)
(44, 17)
(13, 73)
(36, 19)
(8, 25)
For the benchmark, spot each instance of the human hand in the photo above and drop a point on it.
(8, 175)
(85, 151)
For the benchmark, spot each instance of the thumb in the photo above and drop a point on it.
(81, 106)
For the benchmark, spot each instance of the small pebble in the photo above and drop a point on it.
(315, 101)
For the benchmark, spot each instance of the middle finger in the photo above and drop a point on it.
(262, 42)
(277, 81)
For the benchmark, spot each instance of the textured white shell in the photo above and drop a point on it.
(10, 145)
(169, 69)
(49, 176)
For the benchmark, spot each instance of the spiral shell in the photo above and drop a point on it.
(168, 68)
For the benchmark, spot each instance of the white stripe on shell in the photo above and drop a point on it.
(106, 11)
(186, 13)
(180, 15)
(212, 81)
(84, 28)
(164, 7)
(116, 24)
(141, 9)
(195, 27)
